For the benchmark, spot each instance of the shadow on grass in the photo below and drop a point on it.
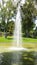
(9, 38)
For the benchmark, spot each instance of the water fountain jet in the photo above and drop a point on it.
(17, 41)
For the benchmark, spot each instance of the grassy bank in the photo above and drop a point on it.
(26, 42)
(5, 40)
(32, 40)
(10, 39)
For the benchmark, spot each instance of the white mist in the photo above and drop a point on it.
(17, 31)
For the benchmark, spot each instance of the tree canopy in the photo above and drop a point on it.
(28, 14)
(6, 14)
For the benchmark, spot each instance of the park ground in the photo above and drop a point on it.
(27, 57)
(30, 43)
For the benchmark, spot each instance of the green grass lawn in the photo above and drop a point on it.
(26, 42)
(10, 39)
(31, 40)
(5, 40)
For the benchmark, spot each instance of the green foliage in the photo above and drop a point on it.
(28, 13)
(10, 27)
(6, 13)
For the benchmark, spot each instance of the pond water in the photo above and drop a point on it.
(18, 58)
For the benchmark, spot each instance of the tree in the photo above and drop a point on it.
(7, 12)
(28, 13)
(10, 27)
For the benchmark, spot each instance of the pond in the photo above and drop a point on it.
(18, 58)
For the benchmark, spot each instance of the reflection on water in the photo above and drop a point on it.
(1, 56)
(18, 58)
